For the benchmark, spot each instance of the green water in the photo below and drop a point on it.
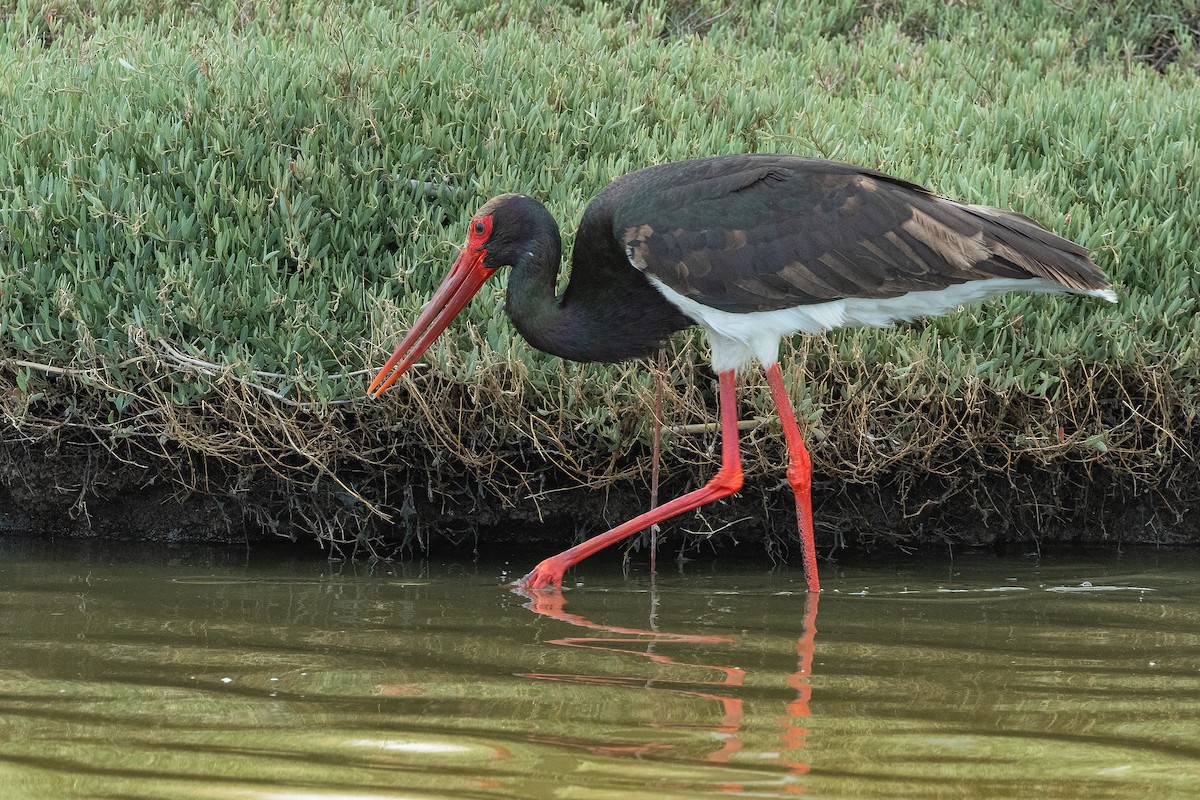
(192, 674)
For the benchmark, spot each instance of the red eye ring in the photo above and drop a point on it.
(479, 231)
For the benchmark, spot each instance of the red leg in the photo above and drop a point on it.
(549, 573)
(799, 474)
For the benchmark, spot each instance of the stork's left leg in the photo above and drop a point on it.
(799, 474)
(549, 573)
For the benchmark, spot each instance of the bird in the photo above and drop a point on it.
(753, 249)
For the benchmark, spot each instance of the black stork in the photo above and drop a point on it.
(753, 249)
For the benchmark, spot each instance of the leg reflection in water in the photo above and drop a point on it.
(727, 690)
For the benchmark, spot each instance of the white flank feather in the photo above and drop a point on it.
(737, 339)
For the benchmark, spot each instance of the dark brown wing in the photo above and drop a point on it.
(763, 232)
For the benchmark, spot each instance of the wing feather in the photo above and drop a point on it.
(760, 233)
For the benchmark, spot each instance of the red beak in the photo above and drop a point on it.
(465, 279)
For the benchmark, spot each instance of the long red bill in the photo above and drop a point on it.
(466, 278)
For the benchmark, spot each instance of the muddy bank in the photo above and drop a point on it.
(76, 491)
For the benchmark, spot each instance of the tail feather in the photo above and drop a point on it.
(1018, 240)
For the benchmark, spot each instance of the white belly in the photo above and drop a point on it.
(737, 339)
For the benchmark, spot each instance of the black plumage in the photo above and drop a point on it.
(762, 232)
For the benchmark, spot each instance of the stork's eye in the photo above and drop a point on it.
(479, 231)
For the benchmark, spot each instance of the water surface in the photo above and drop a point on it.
(194, 674)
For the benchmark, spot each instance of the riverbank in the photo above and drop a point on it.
(215, 223)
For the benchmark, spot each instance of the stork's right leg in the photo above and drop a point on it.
(799, 474)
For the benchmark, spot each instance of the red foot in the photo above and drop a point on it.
(546, 575)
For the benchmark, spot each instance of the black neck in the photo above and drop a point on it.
(609, 311)
(531, 303)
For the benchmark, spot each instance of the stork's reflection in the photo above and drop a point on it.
(723, 689)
